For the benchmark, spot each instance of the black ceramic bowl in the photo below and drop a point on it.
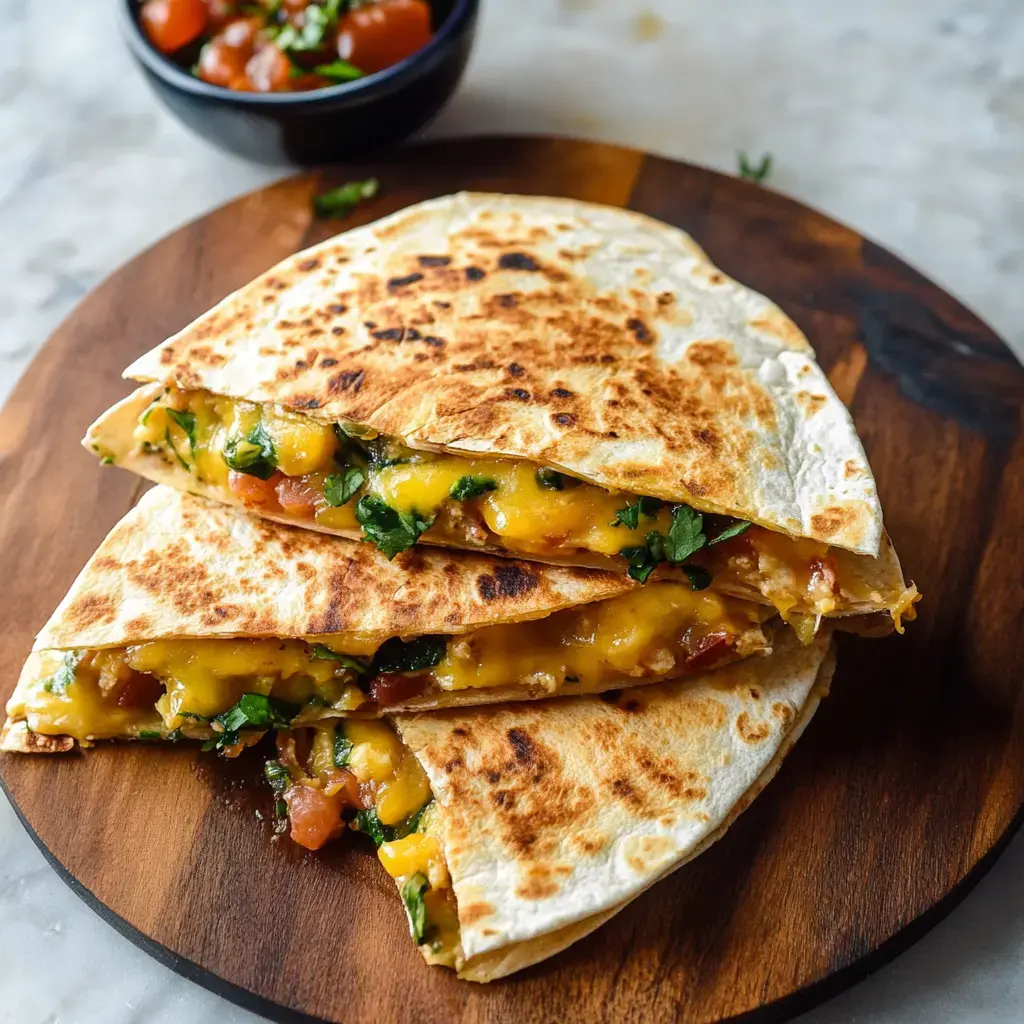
(324, 124)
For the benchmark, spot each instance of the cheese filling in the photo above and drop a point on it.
(227, 690)
(353, 480)
(359, 773)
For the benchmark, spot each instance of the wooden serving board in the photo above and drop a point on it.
(904, 788)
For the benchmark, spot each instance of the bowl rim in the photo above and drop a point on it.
(174, 75)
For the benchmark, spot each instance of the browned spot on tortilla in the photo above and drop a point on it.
(515, 369)
(712, 353)
(397, 283)
(328, 362)
(589, 842)
(506, 582)
(474, 912)
(810, 403)
(751, 732)
(506, 301)
(517, 261)
(832, 520)
(519, 394)
(89, 609)
(564, 419)
(640, 330)
(539, 882)
(475, 274)
(349, 380)
(561, 393)
(307, 265)
(433, 261)
(851, 469)
(139, 626)
(784, 712)
(38, 743)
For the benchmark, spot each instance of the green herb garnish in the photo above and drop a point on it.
(341, 201)
(342, 747)
(278, 776)
(730, 531)
(59, 682)
(341, 488)
(107, 460)
(368, 822)
(253, 711)
(187, 422)
(412, 824)
(630, 515)
(700, 578)
(150, 734)
(412, 897)
(323, 653)
(254, 455)
(390, 530)
(685, 535)
(471, 487)
(397, 655)
(641, 559)
(757, 173)
(315, 24)
(553, 480)
(339, 70)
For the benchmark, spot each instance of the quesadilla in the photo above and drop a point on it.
(512, 832)
(194, 619)
(530, 377)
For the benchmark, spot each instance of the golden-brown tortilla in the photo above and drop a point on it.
(591, 339)
(556, 815)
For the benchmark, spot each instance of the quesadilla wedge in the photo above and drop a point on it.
(530, 377)
(194, 619)
(511, 832)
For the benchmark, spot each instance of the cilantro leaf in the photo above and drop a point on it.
(390, 530)
(757, 173)
(412, 897)
(315, 22)
(630, 515)
(59, 682)
(150, 734)
(339, 70)
(342, 747)
(254, 455)
(253, 711)
(730, 531)
(368, 822)
(278, 776)
(340, 488)
(187, 422)
(323, 653)
(700, 579)
(685, 535)
(397, 655)
(341, 201)
(553, 480)
(641, 562)
(471, 487)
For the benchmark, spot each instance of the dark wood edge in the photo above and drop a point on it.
(771, 1013)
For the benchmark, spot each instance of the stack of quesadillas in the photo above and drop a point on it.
(521, 526)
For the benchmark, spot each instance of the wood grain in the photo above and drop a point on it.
(904, 787)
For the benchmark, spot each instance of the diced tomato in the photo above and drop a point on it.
(268, 70)
(220, 12)
(139, 691)
(251, 490)
(349, 791)
(375, 36)
(394, 687)
(223, 59)
(298, 496)
(705, 650)
(171, 24)
(315, 817)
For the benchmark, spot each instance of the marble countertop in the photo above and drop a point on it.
(901, 118)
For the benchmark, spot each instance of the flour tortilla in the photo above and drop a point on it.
(180, 567)
(586, 338)
(555, 816)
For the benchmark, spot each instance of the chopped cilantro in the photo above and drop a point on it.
(339, 70)
(641, 562)
(323, 653)
(472, 487)
(187, 422)
(730, 531)
(340, 488)
(390, 530)
(412, 897)
(341, 201)
(315, 23)
(254, 455)
(685, 535)
(175, 734)
(553, 480)
(397, 655)
(757, 173)
(59, 682)
(253, 711)
(150, 734)
(107, 460)
(278, 776)
(629, 516)
(281, 809)
(700, 579)
(342, 747)
(368, 822)
(193, 715)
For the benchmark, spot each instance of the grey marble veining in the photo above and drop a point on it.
(903, 118)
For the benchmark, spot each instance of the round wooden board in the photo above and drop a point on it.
(904, 787)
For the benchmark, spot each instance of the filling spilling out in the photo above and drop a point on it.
(358, 774)
(228, 691)
(353, 480)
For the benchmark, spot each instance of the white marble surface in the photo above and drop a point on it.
(904, 118)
